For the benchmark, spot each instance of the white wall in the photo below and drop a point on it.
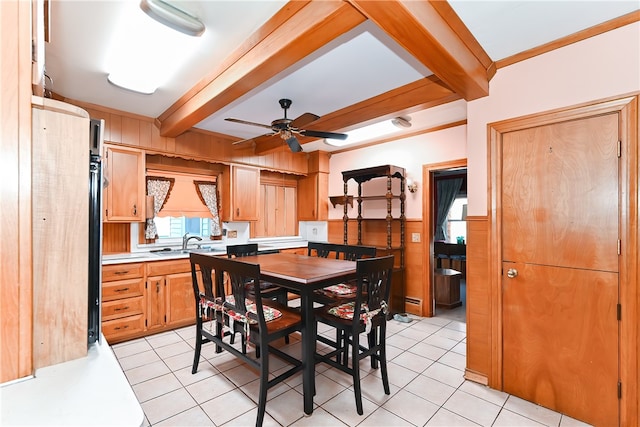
(600, 67)
(409, 153)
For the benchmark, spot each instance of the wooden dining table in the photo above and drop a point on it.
(304, 274)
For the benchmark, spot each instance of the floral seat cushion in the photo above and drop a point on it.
(339, 290)
(270, 313)
(346, 311)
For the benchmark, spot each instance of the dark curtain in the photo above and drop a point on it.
(446, 191)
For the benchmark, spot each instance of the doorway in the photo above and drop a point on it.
(430, 174)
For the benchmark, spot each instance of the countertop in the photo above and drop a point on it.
(214, 249)
(89, 391)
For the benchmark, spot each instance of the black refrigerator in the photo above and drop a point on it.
(95, 230)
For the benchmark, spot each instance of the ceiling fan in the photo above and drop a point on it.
(287, 128)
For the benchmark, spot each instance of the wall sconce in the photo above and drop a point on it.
(412, 186)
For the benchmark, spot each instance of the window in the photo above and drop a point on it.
(457, 220)
(175, 227)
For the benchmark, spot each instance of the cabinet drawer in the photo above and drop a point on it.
(122, 289)
(122, 307)
(114, 329)
(162, 268)
(122, 271)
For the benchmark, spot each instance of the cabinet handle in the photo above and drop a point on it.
(121, 308)
(135, 210)
(124, 327)
(121, 272)
(237, 211)
(121, 290)
(157, 287)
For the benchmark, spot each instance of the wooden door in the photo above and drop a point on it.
(156, 311)
(560, 228)
(180, 305)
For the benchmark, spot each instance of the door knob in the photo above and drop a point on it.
(511, 273)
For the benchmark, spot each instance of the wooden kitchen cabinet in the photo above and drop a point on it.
(123, 301)
(245, 200)
(125, 192)
(277, 211)
(170, 300)
(313, 197)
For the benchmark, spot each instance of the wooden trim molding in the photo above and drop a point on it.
(629, 118)
(621, 21)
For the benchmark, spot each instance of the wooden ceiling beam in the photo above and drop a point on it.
(296, 31)
(432, 33)
(416, 96)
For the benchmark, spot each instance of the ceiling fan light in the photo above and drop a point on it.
(173, 17)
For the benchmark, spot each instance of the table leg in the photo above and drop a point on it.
(308, 350)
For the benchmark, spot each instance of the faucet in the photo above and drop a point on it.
(186, 238)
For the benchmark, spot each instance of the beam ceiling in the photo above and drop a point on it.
(429, 30)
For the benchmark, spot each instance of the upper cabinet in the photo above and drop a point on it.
(245, 196)
(125, 192)
(313, 196)
(313, 190)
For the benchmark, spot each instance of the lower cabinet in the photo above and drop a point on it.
(123, 301)
(146, 298)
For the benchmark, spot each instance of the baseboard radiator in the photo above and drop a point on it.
(413, 305)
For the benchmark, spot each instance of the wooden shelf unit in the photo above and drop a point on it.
(393, 215)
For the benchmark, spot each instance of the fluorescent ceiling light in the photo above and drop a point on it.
(173, 17)
(365, 133)
(145, 54)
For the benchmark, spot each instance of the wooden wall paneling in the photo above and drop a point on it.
(130, 131)
(115, 128)
(15, 192)
(479, 340)
(144, 135)
(414, 261)
(116, 237)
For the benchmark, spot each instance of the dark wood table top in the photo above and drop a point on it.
(299, 271)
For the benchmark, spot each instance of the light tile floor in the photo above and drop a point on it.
(426, 360)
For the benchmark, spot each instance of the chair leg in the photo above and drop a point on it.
(373, 341)
(264, 381)
(284, 300)
(196, 355)
(382, 351)
(355, 369)
(219, 334)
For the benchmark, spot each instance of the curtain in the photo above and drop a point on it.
(159, 188)
(208, 193)
(446, 192)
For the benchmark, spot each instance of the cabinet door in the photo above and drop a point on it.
(290, 212)
(155, 302)
(124, 198)
(180, 299)
(245, 184)
(313, 203)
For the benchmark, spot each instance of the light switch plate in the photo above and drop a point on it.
(415, 237)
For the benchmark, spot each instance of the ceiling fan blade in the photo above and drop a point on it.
(251, 139)
(244, 122)
(321, 134)
(304, 120)
(293, 144)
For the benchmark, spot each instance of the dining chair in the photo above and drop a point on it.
(367, 313)
(340, 291)
(269, 290)
(260, 320)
